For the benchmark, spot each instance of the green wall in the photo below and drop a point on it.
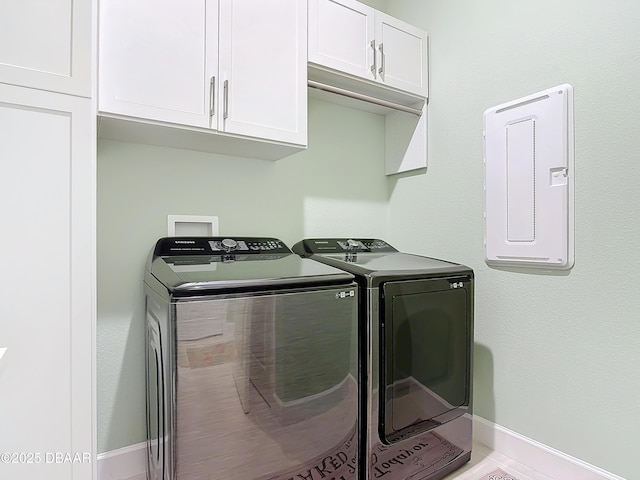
(334, 187)
(557, 355)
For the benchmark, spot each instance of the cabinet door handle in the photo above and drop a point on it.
(3, 350)
(374, 67)
(225, 111)
(381, 69)
(212, 97)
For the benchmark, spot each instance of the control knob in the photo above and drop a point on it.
(229, 244)
(352, 244)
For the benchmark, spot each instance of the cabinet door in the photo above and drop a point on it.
(46, 44)
(402, 55)
(157, 58)
(263, 69)
(341, 35)
(47, 184)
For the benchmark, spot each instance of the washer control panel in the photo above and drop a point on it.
(181, 246)
(257, 245)
(344, 245)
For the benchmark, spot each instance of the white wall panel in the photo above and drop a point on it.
(529, 181)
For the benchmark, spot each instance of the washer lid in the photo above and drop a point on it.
(373, 258)
(195, 265)
(391, 262)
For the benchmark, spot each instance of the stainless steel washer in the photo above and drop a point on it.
(252, 362)
(416, 321)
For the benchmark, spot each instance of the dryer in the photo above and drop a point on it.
(251, 362)
(416, 324)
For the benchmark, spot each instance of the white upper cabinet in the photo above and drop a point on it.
(236, 67)
(341, 36)
(351, 38)
(376, 62)
(46, 45)
(402, 55)
(263, 69)
(157, 58)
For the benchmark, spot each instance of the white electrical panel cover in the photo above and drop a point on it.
(529, 181)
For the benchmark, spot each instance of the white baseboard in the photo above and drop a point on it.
(541, 458)
(124, 463)
(128, 462)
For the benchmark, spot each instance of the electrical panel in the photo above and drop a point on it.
(529, 181)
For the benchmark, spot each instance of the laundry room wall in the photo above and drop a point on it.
(334, 188)
(557, 354)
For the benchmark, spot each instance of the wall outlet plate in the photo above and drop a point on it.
(192, 226)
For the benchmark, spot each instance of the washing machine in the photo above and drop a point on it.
(416, 324)
(252, 364)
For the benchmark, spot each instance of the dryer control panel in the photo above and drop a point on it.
(343, 245)
(181, 246)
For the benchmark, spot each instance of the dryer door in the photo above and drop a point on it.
(425, 354)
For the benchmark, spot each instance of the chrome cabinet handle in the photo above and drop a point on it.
(212, 97)
(374, 67)
(381, 69)
(225, 111)
(3, 351)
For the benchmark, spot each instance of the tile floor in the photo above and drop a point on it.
(483, 461)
